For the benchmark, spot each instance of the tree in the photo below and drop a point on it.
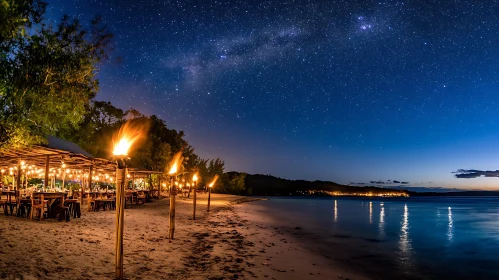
(16, 16)
(48, 74)
(215, 167)
(233, 183)
(95, 132)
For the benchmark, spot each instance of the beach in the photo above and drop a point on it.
(230, 242)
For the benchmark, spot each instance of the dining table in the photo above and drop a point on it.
(9, 195)
(97, 194)
(51, 197)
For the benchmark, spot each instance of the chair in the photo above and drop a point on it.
(38, 206)
(24, 207)
(141, 197)
(155, 194)
(64, 214)
(128, 197)
(3, 203)
(91, 203)
(77, 210)
(112, 201)
(100, 202)
(14, 204)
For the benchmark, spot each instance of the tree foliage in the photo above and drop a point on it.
(102, 120)
(95, 132)
(48, 77)
(18, 15)
(233, 183)
(48, 84)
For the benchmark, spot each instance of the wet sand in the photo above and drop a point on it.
(289, 250)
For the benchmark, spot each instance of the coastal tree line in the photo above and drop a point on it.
(48, 84)
(267, 185)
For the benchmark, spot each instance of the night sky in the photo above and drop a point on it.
(347, 91)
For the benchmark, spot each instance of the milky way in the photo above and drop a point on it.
(331, 90)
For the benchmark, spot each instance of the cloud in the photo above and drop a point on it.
(427, 189)
(473, 173)
(389, 182)
(381, 183)
(378, 182)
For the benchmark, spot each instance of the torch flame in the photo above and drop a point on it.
(213, 182)
(127, 135)
(175, 163)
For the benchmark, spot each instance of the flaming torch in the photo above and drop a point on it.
(127, 135)
(194, 181)
(175, 164)
(209, 190)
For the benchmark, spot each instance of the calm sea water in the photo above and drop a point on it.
(416, 238)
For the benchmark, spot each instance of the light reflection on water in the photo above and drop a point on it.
(370, 212)
(381, 225)
(405, 243)
(428, 238)
(335, 210)
(450, 229)
(424, 236)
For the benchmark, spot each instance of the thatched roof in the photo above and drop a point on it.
(59, 151)
(63, 145)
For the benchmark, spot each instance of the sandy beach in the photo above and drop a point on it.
(229, 242)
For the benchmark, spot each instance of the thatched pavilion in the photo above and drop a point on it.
(58, 159)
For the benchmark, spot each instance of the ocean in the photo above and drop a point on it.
(399, 238)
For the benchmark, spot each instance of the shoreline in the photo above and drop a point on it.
(286, 252)
(229, 242)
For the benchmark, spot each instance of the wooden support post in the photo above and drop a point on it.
(173, 193)
(120, 217)
(209, 198)
(89, 180)
(82, 194)
(159, 186)
(194, 202)
(47, 169)
(18, 178)
(90, 174)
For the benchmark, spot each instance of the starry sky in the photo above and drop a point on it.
(347, 91)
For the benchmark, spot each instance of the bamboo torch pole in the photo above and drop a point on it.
(209, 190)
(173, 193)
(120, 217)
(176, 163)
(194, 180)
(209, 197)
(127, 135)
